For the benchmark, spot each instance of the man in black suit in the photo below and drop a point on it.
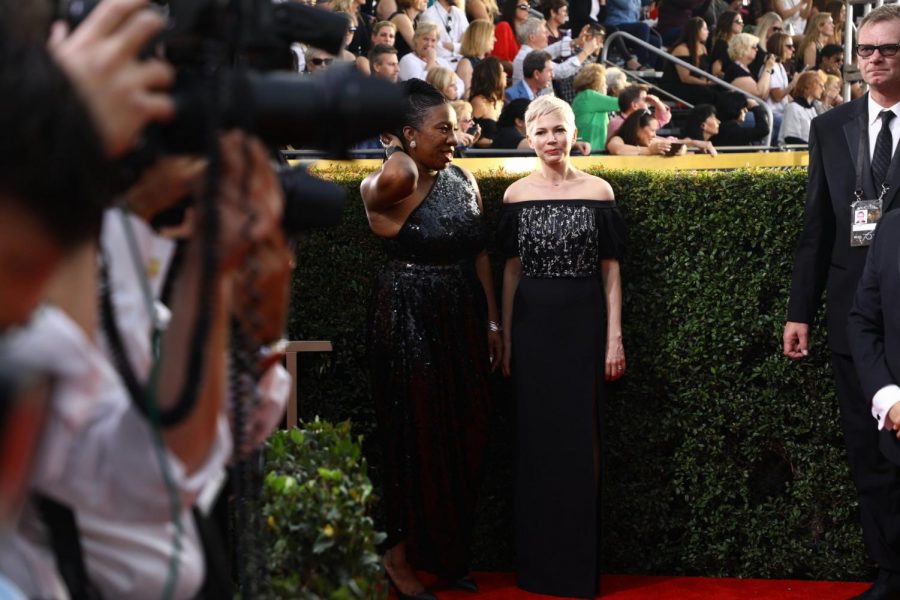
(847, 144)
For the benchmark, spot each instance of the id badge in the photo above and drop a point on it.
(864, 215)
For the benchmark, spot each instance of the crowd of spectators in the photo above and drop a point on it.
(491, 55)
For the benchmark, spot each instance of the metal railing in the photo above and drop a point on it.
(695, 70)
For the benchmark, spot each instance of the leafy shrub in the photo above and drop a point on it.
(721, 457)
(316, 495)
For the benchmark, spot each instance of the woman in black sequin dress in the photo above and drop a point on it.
(562, 299)
(430, 346)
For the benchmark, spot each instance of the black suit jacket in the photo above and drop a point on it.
(874, 325)
(824, 258)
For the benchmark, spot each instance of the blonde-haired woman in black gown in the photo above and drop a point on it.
(433, 340)
(562, 302)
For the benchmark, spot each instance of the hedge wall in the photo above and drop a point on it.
(722, 458)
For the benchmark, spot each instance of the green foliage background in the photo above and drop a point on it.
(721, 457)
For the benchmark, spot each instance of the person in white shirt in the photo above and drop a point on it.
(533, 35)
(424, 56)
(452, 24)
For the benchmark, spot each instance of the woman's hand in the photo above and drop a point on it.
(615, 358)
(659, 146)
(495, 349)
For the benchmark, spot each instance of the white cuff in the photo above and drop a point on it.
(882, 401)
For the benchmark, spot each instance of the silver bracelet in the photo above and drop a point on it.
(494, 327)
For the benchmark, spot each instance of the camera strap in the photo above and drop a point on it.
(65, 542)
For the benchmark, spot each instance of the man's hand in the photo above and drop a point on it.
(892, 420)
(796, 340)
(101, 57)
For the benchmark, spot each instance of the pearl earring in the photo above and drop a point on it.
(412, 144)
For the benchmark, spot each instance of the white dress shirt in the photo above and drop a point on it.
(454, 20)
(561, 70)
(411, 66)
(889, 395)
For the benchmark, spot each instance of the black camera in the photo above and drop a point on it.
(230, 58)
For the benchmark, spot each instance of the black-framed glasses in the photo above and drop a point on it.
(321, 61)
(867, 50)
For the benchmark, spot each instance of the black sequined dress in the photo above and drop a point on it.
(558, 351)
(429, 364)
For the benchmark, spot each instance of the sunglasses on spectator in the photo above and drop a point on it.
(352, 30)
(321, 61)
(523, 6)
(777, 28)
(867, 50)
(791, 46)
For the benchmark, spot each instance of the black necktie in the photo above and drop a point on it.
(884, 144)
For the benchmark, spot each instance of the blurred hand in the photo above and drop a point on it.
(583, 147)
(507, 357)
(495, 349)
(796, 340)
(122, 93)
(161, 186)
(892, 420)
(659, 146)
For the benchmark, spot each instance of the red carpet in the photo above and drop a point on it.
(501, 586)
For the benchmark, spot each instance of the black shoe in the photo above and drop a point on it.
(466, 583)
(886, 587)
(426, 595)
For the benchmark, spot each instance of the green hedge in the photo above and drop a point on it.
(721, 457)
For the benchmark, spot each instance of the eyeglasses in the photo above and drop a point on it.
(321, 61)
(791, 46)
(739, 22)
(867, 50)
(523, 6)
(352, 30)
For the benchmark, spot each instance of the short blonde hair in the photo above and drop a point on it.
(440, 78)
(344, 6)
(591, 77)
(741, 44)
(461, 107)
(832, 80)
(477, 38)
(547, 105)
(616, 81)
(381, 25)
(425, 28)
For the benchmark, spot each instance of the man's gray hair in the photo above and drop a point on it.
(528, 28)
(887, 12)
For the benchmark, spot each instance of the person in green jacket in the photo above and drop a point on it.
(591, 105)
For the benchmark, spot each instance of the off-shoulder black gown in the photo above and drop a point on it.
(429, 361)
(558, 353)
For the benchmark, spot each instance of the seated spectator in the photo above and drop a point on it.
(488, 89)
(635, 98)
(732, 108)
(444, 81)
(556, 14)
(616, 81)
(506, 42)
(800, 113)
(742, 50)
(781, 46)
(564, 87)
(510, 134)
(702, 122)
(383, 62)
(317, 60)
(452, 23)
(674, 16)
(405, 19)
(482, 9)
(818, 32)
(533, 36)
(360, 26)
(717, 8)
(344, 55)
(469, 131)
(424, 55)
(729, 25)
(477, 42)
(625, 15)
(384, 32)
(637, 136)
(592, 106)
(838, 12)
(691, 48)
(767, 25)
(538, 69)
(833, 95)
